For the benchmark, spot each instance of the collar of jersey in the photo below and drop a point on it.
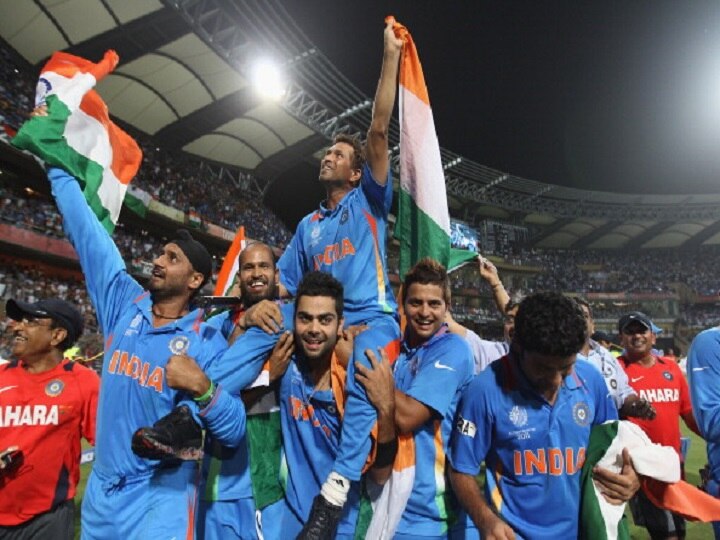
(324, 212)
(192, 319)
(437, 335)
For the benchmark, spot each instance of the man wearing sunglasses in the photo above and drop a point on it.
(47, 403)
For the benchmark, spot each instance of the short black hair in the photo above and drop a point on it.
(321, 284)
(550, 323)
(428, 271)
(583, 302)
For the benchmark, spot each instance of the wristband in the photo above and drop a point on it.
(385, 454)
(207, 396)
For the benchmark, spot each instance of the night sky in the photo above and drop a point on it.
(619, 96)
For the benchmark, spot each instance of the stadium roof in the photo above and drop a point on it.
(184, 80)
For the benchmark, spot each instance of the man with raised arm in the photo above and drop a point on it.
(148, 332)
(346, 238)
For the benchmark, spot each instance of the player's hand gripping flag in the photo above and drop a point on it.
(423, 224)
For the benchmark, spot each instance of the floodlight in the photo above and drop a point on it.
(267, 79)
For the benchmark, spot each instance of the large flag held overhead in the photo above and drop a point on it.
(423, 224)
(78, 135)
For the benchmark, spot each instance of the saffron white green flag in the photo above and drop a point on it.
(78, 136)
(659, 470)
(423, 224)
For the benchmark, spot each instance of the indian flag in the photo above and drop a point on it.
(659, 470)
(78, 136)
(230, 265)
(423, 224)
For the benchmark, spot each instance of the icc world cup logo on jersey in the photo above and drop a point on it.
(54, 388)
(518, 416)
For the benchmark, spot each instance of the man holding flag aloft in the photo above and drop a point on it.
(346, 238)
(145, 331)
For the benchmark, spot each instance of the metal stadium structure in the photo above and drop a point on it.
(184, 81)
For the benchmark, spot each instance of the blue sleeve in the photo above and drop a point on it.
(471, 439)
(292, 262)
(379, 197)
(703, 373)
(446, 366)
(240, 365)
(224, 417)
(218, 322)
(110, 287)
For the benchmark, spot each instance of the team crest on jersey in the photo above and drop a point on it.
(179, 344)
(344, 216)
(518, 416)
(581, 413)
(54, 388)
(668, 375)
(613, 384)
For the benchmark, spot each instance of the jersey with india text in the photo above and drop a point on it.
(533, 451)
(435, 374)
(45, 415)
(134, 389)
(311, 423)
(349, 243)
(663, 385)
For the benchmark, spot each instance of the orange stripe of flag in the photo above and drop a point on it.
(411, 73)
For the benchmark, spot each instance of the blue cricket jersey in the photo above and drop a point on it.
(533, 451)
(435, 374)
(311, 424)
(703, 374)
(349, 243)
(133, 391)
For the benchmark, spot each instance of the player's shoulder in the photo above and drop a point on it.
(451, 345)
(84, 374)
(588, 372)
(707, 338)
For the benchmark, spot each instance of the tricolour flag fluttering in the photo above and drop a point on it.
(77, 134)
(659, 469)
(230, 265)
(423, 223)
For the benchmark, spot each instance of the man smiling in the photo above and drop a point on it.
(47, 404)
(433, 369)
(661, 382)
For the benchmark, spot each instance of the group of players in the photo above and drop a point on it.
(320, 419)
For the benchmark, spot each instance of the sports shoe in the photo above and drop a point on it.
(323, 521)
(175, 435)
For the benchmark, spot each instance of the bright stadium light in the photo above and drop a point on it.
(268, 80)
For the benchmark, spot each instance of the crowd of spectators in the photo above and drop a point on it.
(31, 285)
(646, 271)
(187, 185)
(16, 91)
